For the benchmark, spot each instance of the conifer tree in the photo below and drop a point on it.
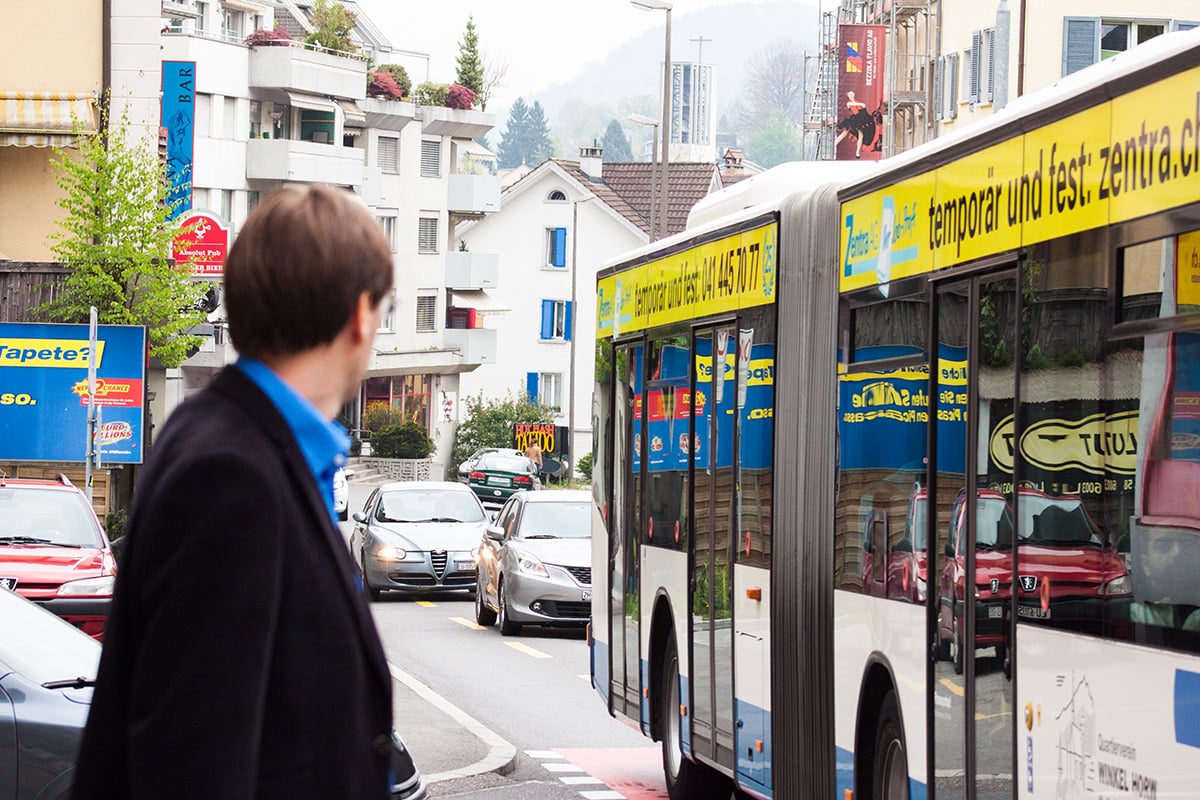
(511, 151)
(540, 146)
(616, 143)
(470, 65)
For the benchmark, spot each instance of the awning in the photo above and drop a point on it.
(355, 116)
(246, 5)
(45, 119)
(310, 102)
(474, 149)
(479, 300)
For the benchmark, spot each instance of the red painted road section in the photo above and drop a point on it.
(635, 772)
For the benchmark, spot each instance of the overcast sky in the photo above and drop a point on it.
(544, 42)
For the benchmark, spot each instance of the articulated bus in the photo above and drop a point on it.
(897, 470)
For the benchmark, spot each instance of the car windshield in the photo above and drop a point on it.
(556, 520)
(46, 517)
(1056, 521)
(993, 524)
(498, 462)
(416, 505)
(42, 647)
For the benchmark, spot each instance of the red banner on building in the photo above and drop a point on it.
(860, 92)
(205, 246)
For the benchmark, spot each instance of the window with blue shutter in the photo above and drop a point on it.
(531, 386)
(556, 320)
(556, 247)
(567, 321)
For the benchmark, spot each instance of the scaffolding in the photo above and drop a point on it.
(908, 73)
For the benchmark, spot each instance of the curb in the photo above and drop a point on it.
(501, 755)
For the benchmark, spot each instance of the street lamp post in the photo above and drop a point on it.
(654, 169)
(574, 327)
(660, 5)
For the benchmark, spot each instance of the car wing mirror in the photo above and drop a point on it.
(495, 533)
(359, 517)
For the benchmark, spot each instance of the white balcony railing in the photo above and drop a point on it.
(473, 194)
(309, 162)
(477, 345)
(472, 270)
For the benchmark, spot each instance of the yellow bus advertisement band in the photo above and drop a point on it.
(1131, 156)
(737, 271)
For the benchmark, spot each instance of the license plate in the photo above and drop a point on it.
(1033, 612)
(586, 595)
(499, 482)
(995, 612)
(464, 566)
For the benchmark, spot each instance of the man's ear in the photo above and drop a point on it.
(361, 324)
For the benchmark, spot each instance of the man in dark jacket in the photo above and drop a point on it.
(241, 660)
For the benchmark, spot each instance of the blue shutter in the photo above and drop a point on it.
(567, 322)
(560, 247)
(547, 319)
(531, 386)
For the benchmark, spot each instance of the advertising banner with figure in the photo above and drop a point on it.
(860, 92)
(44, 392)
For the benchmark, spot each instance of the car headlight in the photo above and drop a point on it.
(532, 566)
(389, 553)
(1121, 585)
(91, 587)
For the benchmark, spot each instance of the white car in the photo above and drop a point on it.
(341, 493)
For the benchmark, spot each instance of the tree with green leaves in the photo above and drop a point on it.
(470, 65)
(775, 142)
(116, 241)
(489, 423)
(616, 143)
(398, 72)
(332, 24)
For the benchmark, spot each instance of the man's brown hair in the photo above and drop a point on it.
(297, 269)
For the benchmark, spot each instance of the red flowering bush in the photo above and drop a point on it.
(383, 84)
(459, 96)
(268, 37)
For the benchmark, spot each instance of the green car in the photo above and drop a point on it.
(495, 477)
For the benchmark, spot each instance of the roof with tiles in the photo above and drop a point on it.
(626, 187)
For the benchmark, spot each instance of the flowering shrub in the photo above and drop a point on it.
(430, 94)
(459, 96)
(382, 84)
(268, 38)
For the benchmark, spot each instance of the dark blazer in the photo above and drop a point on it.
(240, 658)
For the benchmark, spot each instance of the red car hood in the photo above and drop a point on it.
(41, 570)
(1071, 569)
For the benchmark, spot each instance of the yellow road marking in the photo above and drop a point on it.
(952, 686)
(527, 650)
(466, 623)
(427, 603)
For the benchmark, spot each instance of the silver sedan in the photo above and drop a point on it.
(418, 536)
(535, 563)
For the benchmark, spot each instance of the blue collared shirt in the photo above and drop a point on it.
(323, 443)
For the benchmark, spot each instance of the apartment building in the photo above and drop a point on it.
(948, 63)
(277, 113)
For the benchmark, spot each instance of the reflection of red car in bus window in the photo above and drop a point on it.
(1069, 571)
(991, 582)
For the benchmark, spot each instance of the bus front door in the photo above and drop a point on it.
(979, 335)
(625, 691)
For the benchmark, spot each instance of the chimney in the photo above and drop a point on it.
(591, 159)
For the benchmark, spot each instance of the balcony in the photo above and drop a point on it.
(454, 122)
(473, 194)
(387, 115)
(310, 71)
(477, 345)
(472, 270)
(303, 161)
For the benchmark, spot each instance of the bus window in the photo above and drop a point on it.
(1160, 278)
(667, 412)
(883, 401)
(756, 439)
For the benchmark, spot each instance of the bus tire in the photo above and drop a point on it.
(686, 779)
(889, 773)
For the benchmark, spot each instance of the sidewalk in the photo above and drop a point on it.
(445, 742)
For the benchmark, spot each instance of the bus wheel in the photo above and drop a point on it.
(686, 779)
(890, 773)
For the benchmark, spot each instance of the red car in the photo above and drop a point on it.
(54, 552)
